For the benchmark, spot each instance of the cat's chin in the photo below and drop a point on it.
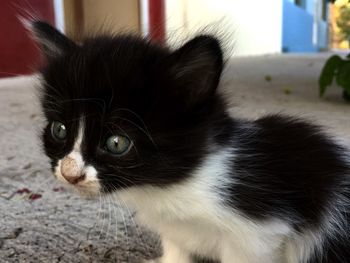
(85, 191)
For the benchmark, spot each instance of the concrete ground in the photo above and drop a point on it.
(41, 221)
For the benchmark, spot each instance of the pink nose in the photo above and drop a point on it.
(70, 171)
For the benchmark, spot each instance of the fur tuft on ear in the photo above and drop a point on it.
(52, 42)
(196, 68)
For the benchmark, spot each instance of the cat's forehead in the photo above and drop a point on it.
(122, 46)
(119, 55)
(114, 71)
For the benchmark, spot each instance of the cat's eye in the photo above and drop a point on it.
(118, 144)
(58, 131)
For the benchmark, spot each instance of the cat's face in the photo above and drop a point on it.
(122, 112)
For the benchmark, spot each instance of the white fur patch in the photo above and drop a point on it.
(90, 185)
(300, 247)
(193, 216)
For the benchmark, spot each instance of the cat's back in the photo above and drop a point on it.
(290, 169)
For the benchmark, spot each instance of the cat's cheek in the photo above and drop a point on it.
(91, 184)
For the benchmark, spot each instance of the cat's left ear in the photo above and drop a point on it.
(52, 42)
(196, 68)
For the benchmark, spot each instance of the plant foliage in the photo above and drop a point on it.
(333, 1)
(338, 69)
(344, 22)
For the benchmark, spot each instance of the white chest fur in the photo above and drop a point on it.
(194, 217)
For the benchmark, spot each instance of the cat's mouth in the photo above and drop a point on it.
(72, 171)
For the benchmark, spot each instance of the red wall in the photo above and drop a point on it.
(157, 20)
(18, 53)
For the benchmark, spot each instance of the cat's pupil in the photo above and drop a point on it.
(115, 140)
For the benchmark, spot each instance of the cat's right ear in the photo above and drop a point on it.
(196, 69)
(52, 42)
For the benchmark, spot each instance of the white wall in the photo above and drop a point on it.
(254, 25)
(59, 15)
(144, 17)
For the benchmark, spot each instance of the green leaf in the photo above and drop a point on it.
(343, 78)
(347, 89)
(328, 72)
(343, 74)
(346, 95)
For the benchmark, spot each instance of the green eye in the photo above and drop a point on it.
(58, 130)
(118, 144)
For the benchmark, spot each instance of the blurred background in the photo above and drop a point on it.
(257, 27)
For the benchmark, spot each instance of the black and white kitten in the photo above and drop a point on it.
(145, 123)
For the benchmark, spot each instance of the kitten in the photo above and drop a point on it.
(145, 123)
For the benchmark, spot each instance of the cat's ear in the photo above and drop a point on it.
(196, 68)
(52, 42)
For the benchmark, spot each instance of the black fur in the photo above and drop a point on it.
(283, 165)
(166, 102)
